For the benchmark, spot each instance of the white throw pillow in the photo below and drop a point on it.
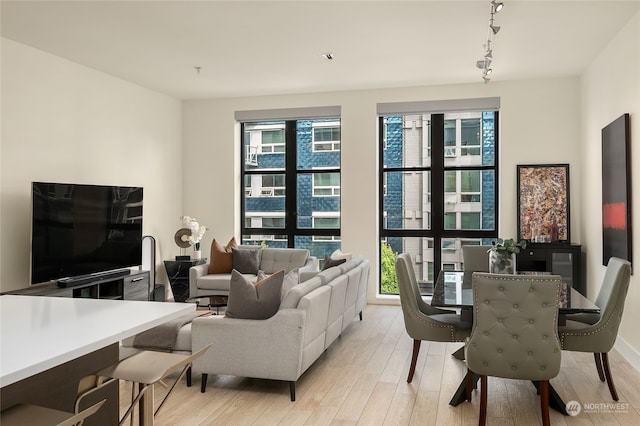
(338, 254)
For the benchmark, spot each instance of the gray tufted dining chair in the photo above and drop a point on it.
(514, 336)
(421, 320)
(475, 259)
(597, 333)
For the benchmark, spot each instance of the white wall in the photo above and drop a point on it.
(68, 123)
(609, 88)
(538, 124)
(65, 122)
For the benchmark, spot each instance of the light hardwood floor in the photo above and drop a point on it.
(361, 379)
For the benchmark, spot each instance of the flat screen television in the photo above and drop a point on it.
(78, 230)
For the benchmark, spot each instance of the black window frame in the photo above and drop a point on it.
(291, 172)
(437, 169)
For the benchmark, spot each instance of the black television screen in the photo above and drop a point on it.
(83, 229)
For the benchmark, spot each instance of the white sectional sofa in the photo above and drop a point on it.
(311, 316)
(202, 283)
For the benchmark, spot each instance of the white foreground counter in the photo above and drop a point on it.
(38, 333)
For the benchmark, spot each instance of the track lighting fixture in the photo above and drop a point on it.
(496, 6)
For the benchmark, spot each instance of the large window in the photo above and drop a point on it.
(291, 175)
(438, 190)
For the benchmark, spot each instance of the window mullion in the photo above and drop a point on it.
(437, 186)
(291, 181)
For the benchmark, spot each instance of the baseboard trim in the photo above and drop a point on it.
(628, 352)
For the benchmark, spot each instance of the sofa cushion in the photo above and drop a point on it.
(254, 301)
(274, 259)
(350, 264)
(293, 296)
(217, 282)
(221, 260)
(328, 274)
(330, 263)
(246, 260)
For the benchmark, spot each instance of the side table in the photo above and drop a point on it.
(211, 301)
(178, 273)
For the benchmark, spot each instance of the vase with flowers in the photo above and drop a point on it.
(502, 255)
(196, 233)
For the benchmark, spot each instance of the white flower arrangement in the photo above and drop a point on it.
(197, 231)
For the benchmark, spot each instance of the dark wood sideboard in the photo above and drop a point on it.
(561, 259)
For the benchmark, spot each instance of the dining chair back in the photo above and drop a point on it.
(600, 336)
(475, 259)
(514, 332)
(421, 320)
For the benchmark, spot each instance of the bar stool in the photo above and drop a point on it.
(27, 414)
(145, 368)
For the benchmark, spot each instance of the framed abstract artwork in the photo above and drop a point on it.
(543, 203)
(616, 190)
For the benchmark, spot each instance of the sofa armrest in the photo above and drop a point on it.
(196, 272)
(236, 342)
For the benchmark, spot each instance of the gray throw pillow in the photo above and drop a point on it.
(246, 261)
(330, 263)
(254, 301)
(290, 280)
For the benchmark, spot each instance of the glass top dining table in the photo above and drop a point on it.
(453, 289)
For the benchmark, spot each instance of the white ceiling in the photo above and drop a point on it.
(248, 48)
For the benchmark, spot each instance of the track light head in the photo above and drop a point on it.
(494, 29)
(483, 64)
(497, 6)
(489, 54)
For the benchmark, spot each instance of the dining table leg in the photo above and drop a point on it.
(555, 401)
(459, 354)
(461, 393)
